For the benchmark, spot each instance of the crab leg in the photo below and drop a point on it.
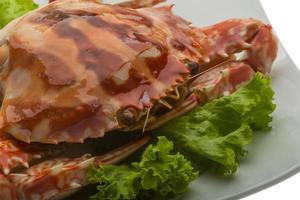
(133, 3)
(221, 81)
(139, 3)
(57, 178)
(251, 36)
(214, 83)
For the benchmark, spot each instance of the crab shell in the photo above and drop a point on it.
(85, 62)
(74, 64)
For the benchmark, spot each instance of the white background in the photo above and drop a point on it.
(285, 19)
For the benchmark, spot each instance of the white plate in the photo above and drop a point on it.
(273, 156)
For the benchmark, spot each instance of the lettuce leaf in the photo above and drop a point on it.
(159, 173)
(11, 9)
(216, 134)
(211, 136)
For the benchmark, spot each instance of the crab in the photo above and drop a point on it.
(79, 69)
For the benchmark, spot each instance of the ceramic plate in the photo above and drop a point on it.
(273, 156)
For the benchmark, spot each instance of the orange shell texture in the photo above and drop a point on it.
(74, 64)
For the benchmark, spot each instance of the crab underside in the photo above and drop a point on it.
(79, 69)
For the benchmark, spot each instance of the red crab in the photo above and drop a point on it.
(78, 69)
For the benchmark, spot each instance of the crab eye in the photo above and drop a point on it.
(194, 67)
(127, 115)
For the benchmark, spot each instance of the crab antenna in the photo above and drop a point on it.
(147, 117)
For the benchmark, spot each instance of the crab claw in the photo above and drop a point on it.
(233, 36)
(221, 80)
(263, 50)
(57, 178)
(15, 153)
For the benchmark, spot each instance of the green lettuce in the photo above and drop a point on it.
(159, 174)
(213, 136)
(216, 134)
(11, 9)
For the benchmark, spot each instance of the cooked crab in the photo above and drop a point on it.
(78, 69)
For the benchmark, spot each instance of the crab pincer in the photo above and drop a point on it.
(60, 177)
